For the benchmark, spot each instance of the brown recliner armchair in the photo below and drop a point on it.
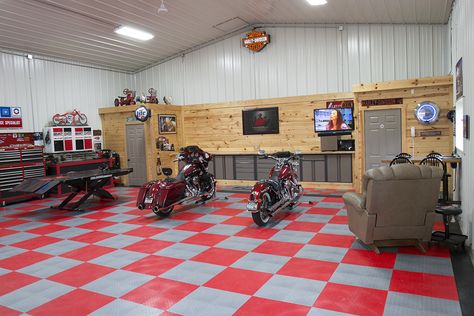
(396, 206)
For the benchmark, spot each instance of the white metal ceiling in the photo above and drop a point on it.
(82, 30)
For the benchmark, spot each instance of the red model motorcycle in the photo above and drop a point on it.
(70, 118)
(279, 191)
(193, 184)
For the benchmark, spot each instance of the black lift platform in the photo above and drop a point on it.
(91, 182)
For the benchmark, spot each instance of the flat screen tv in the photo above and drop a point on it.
(260, 121)
(333, 121)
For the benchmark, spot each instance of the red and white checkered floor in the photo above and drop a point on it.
(209, 260)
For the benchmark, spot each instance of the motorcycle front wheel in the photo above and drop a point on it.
(261, 217)
(164, 213)
(210, 189)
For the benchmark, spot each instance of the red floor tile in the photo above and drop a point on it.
(99, 215)
(13, 281)
(36, 242)
(5, 232)
(96, 225)
(92, 237)
(227, 211)
(239, 221)
(187, 216)
(352, 299)
(81, 275)
(339, 220)
(205, 239)
(342, 241)
(278, 248)
(48, 229)
(323, 211)
(432, 285)
(224, 257)
(160, 293)
(12, 222)
(145, 231)
(438, 226)
(143, 220)
(87, 253)
(23, 260)
(305, 227)
(239, 195)
(333, 200)
(232, 280)
(153, 265)
(4, 311)
(370, 258)
(77, 302)
(194, 227)
(309, 269)
(257, 306)
(433, 251)
(149, 245)
(259, 233)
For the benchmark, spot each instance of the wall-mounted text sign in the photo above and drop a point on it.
(391, 101)
(10, 117)
(256, 40)
(340, 104)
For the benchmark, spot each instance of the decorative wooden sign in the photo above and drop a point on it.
(256, 40)
(430, 133)
(391, 101)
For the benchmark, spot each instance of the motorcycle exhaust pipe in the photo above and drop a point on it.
(190, 198)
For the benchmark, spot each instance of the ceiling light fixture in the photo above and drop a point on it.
(162, 7)
(317, 2)
(133, 33)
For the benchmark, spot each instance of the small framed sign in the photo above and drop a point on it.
(167, 123)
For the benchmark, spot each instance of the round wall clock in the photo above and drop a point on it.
(427, 112)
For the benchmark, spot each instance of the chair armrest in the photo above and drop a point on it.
(354, 199)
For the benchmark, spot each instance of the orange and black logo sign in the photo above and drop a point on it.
(256, 41)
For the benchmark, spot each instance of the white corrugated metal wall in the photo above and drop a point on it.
(43, 88)
(462, 26)
(300, 61)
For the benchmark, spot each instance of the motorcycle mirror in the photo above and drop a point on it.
(261, 152)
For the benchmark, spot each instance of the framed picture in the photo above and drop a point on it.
(465, 127)
(459, 79)
(260, 121)
(167, 124)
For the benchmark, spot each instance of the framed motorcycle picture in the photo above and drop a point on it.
(167, 123)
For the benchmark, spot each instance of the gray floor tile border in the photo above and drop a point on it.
(409, 304)
(425, 264)
(205, 301)
(356, 275)
(118, 283)
(126, 308)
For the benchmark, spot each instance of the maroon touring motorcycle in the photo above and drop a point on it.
(192, 185)
(279, 191)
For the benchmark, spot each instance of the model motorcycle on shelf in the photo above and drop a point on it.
(279, 191)
(192, 185)
(70, 118)
(151, 98)
(127, 99)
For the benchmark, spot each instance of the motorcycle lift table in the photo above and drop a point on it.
(91, 182)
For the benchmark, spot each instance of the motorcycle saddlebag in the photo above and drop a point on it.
(148, 194)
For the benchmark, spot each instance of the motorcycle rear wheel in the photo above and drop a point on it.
(261, 218)
(164, 213)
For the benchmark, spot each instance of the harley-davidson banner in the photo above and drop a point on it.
(256, 40)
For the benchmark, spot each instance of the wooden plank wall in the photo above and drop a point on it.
(114, 122)
(436, 89)
(217, 128)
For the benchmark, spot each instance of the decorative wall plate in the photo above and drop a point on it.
(427, 112)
